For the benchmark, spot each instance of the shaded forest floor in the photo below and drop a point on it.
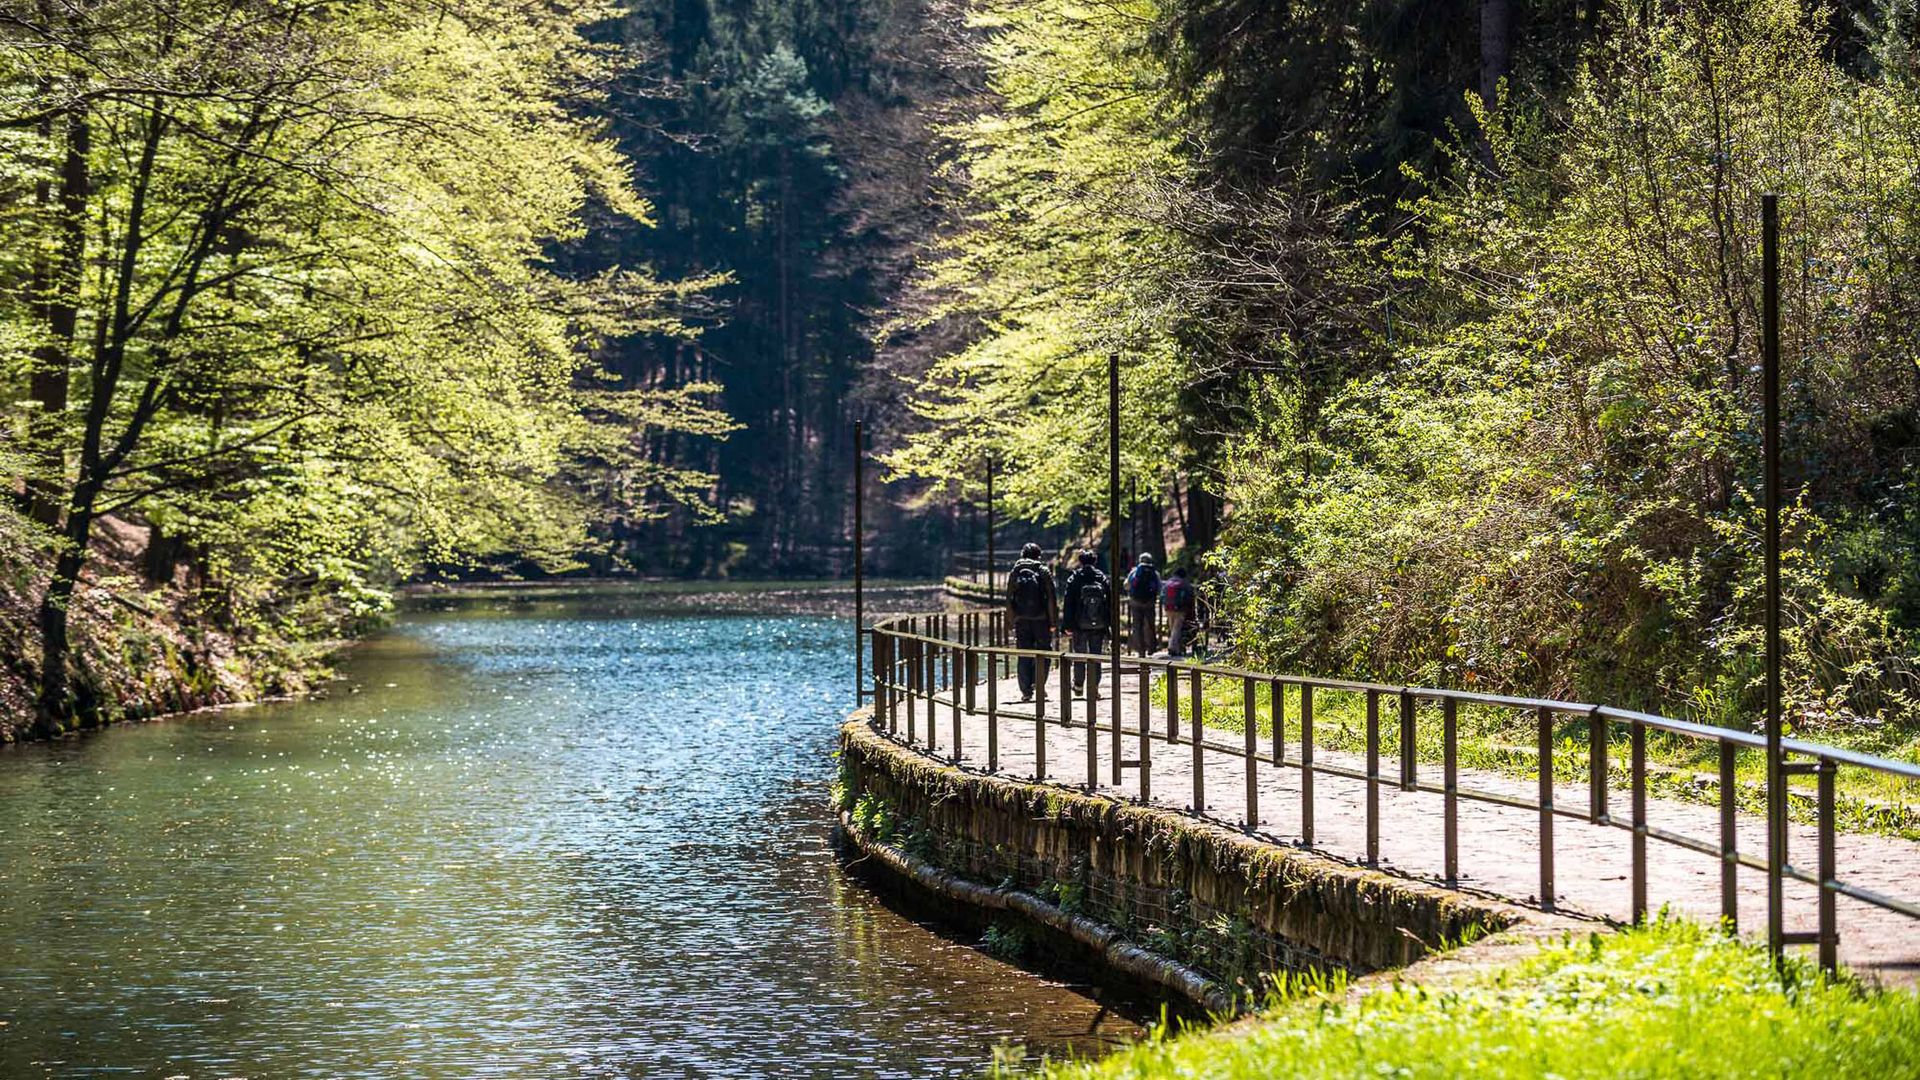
(141, 649)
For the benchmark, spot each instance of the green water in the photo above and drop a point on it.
(579, 836)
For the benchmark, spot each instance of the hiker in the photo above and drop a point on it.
(1143, 586)
(1176, 599)
(1089, 618)
(1034, 610)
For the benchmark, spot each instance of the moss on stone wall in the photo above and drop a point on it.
(1233, 906)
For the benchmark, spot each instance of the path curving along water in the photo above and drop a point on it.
(528, 836)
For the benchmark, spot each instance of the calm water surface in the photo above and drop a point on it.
(582, 836)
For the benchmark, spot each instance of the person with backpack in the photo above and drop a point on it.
(1177, 600)
(1143, 586)
(1033, 609)
(1090, 617)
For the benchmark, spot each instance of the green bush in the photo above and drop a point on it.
(1555, 490)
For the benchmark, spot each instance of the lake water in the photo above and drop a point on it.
(564, 836)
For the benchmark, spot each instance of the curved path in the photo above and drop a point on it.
(1499, 846)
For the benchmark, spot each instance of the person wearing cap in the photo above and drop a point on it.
(1143, 588)
(1033, 610)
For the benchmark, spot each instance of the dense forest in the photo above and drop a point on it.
(1437, 320)
(1447, 313)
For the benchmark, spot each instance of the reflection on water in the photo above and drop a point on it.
(578, 836)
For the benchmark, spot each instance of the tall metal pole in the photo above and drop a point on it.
(1770, 381)
(859, 563)
(1113, 548)
(990, 563)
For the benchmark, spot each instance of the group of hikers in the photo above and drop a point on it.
(1037, 609)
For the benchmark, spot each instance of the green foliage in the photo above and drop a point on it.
(874, 817)
(1008, 941)
(1671, 999)
(293, 302)
(1554, 489)
(1056, 267)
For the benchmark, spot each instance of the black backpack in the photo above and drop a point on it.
(1028, 591)
(1093, 606)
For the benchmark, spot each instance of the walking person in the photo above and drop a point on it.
(1089, 617)
(1034, 610)
(1143, 588)
(1177, 600)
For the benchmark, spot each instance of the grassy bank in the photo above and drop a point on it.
(1672, 999)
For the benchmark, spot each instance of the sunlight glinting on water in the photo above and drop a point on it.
(581, 837)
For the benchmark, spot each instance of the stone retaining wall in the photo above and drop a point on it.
(1211, 899)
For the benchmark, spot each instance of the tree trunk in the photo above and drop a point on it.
(56, 685)
(59, 310)
(1203, 519)
(1496, 47)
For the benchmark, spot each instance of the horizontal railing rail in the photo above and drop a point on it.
(948, 667)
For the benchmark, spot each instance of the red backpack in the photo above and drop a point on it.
(1176, 595)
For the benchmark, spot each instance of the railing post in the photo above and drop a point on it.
(933, 689)
(1089, 671)
(993, 713)
(963, 661)
(882, 676)
(1066, 692)
(1199, 747)
(1409, 744)
(1639, 767)
(1544, 718)
(1373, 778)
(1306, 764)
(1039, 721)
(1252, 752)
(914, 669)
(1598, 779)
(859, 564)
(1278, 706)
(1829, 925)
(1173, 704)
(1729, 841)
(1450, 780)
(1146, 733)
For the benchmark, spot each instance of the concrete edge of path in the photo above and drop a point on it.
(1516, 933)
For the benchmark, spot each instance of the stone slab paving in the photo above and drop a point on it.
(1499, 847)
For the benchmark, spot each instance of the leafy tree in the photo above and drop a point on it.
(1057, 266)
(1555, 488)
(281, 285)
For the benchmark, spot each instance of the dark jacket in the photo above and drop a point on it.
(1086, 577)
(1046, 580)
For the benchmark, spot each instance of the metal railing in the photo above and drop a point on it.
(940, 669)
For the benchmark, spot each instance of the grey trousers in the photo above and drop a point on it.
(1140, 635)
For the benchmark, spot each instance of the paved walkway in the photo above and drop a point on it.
(1498, 846)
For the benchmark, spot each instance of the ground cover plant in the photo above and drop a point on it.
(1668, 999)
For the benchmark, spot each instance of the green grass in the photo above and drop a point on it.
(1671, 999)
(1504, 740)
